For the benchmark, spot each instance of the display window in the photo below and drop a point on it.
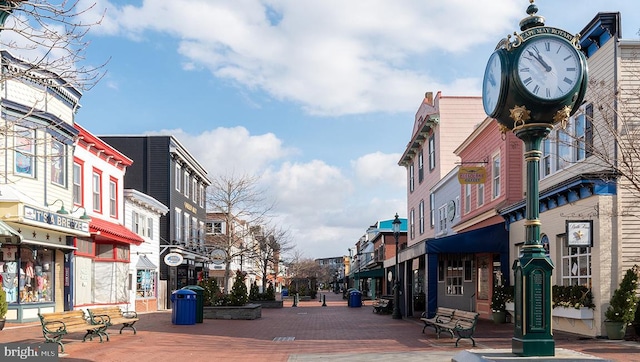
(27, 273)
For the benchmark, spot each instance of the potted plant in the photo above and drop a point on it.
(621, 310)
(4, 307)
(498, 306)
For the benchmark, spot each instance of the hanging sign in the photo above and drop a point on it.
(472, 175)
(173, 259)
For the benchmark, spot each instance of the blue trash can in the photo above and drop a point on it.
(184, 307)
(355, 299)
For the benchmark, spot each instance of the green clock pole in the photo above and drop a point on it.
(532, 324)
(533, 80)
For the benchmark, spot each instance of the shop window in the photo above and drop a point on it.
(453, 278)
(104, 251)
(84, 247)
(576, 264)
(122, 252)
(25, 152)
(27, 274)
(145, 283)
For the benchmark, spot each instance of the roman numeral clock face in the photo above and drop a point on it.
(549, 68)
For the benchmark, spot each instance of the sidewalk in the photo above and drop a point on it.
(308, 332)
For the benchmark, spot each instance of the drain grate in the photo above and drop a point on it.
(284, 339)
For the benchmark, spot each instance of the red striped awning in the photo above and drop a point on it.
(102, 230)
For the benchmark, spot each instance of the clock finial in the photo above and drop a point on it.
(532, 20)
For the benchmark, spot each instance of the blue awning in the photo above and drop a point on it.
(490, 239)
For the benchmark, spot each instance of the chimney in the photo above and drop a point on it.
(428, 97)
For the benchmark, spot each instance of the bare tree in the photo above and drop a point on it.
(50, 35)
(271, 243)
(239, 203)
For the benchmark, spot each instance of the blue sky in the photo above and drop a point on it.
(317, 98)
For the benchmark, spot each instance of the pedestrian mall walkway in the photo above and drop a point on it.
(308, 332)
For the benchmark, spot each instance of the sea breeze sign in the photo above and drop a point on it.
(173, 259)
(472, 175)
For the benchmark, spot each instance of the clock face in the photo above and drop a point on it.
(549, 67)
(492, 84)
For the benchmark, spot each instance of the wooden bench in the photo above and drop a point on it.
(443, 315)
(383, 305)
(57, 325)
(111, 316)
(461, 323)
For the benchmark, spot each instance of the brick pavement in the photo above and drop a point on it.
(308, 332)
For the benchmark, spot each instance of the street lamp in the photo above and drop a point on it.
(396, 288)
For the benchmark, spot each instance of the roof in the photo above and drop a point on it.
(103, 230)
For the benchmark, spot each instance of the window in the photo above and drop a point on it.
(496, 175)
(77, 183)
(178, 179)
(28, 273)
(135, 223)
(411, 177)
(412, 222)
(563, 153)
(467, 198)
(480, 194)
(96, 191)
(186, 183)
(545, 165)
(177, 232)
(454, 276)
(432, 152)
(194, 190)
(576, 264)
(84, 247)
(122, 252)
(442, 218)
(202, 195)
(150, 227)
(58, 163)
(145, 283)
(421, 216)
(113, 198)
(432, 210)
(186, 227)
(201, 232)
(194, 229)
(104, 251)
(579, 141)
(25, 152)
(420, 167)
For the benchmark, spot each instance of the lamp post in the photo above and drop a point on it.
(396, 287)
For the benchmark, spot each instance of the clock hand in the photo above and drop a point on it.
(539, 59)
(492, 80)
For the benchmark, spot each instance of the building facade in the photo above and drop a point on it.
(165, 170)
(37, 111)
(142, 216)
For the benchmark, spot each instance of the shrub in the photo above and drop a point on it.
(211, 289)
(238, 295)
(254, 292)
(499, 299)
(623, 301)
(572, 296)
(4, 307)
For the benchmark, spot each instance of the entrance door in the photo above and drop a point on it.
(484, 265)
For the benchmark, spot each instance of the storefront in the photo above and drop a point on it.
(36, 262)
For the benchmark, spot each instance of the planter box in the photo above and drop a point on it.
(248, 311)
(582, 313)
(268, 303)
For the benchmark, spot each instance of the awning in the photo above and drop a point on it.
(375, 273)
(8, 235)
(102, 230)
(489, 239)
(49, 245)
(145, 263)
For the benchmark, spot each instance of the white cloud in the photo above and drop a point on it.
(379, 168)
(331, 57)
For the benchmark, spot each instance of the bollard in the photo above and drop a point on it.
(295, 300)
(324, 301)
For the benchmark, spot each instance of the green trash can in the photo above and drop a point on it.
(199, 301)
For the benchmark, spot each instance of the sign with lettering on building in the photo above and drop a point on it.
(53, 218)
(472, 175)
